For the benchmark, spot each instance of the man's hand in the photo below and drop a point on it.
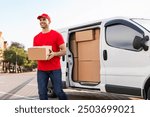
(62, 52)
(51, 54)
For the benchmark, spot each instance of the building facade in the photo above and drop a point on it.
(3, 46)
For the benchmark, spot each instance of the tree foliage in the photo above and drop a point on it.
(16, 54)
(17, 45)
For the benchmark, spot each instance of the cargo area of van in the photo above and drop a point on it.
(84, 46)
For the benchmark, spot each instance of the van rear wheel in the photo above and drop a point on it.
(148, 94)
(51, 93)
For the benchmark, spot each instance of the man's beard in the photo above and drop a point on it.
(44, 27)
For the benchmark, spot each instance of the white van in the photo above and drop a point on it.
(110, 55)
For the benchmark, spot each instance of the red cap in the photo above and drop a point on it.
(44, 16)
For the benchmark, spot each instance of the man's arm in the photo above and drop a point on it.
(62, 51)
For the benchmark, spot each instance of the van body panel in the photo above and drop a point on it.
(127, 69)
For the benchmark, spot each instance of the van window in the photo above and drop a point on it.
(121, 36)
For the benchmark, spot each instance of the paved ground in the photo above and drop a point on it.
(23, 86)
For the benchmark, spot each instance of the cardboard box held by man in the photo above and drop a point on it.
(39, 53)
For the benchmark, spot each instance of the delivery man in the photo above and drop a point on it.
(50, 68)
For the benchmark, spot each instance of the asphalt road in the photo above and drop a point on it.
(23, 86)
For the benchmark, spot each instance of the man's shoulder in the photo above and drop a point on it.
(36, 36)
(56, 32)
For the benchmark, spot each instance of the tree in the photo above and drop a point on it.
(16, 44)
(17, 56)
(9, 55)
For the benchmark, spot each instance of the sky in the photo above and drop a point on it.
(18, 18)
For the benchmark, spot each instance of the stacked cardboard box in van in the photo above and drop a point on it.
(74, 50)
(85, 48)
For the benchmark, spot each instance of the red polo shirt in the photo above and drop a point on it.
(53, 39)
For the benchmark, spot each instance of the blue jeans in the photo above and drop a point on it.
(56, 79)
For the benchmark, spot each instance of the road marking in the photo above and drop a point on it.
(15, 90)
(11, 94)
(32, 85)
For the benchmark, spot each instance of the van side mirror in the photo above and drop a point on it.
(139, 42)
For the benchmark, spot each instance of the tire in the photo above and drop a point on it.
(51, 93)
(148, 94)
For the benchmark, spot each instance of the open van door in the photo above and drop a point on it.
(64, 33)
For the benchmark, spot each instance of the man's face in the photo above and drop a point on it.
(44, 23)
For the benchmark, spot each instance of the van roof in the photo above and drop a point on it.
(92, 23)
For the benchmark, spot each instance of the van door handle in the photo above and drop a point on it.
(105, 55)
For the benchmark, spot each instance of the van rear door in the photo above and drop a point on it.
(64, 33)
